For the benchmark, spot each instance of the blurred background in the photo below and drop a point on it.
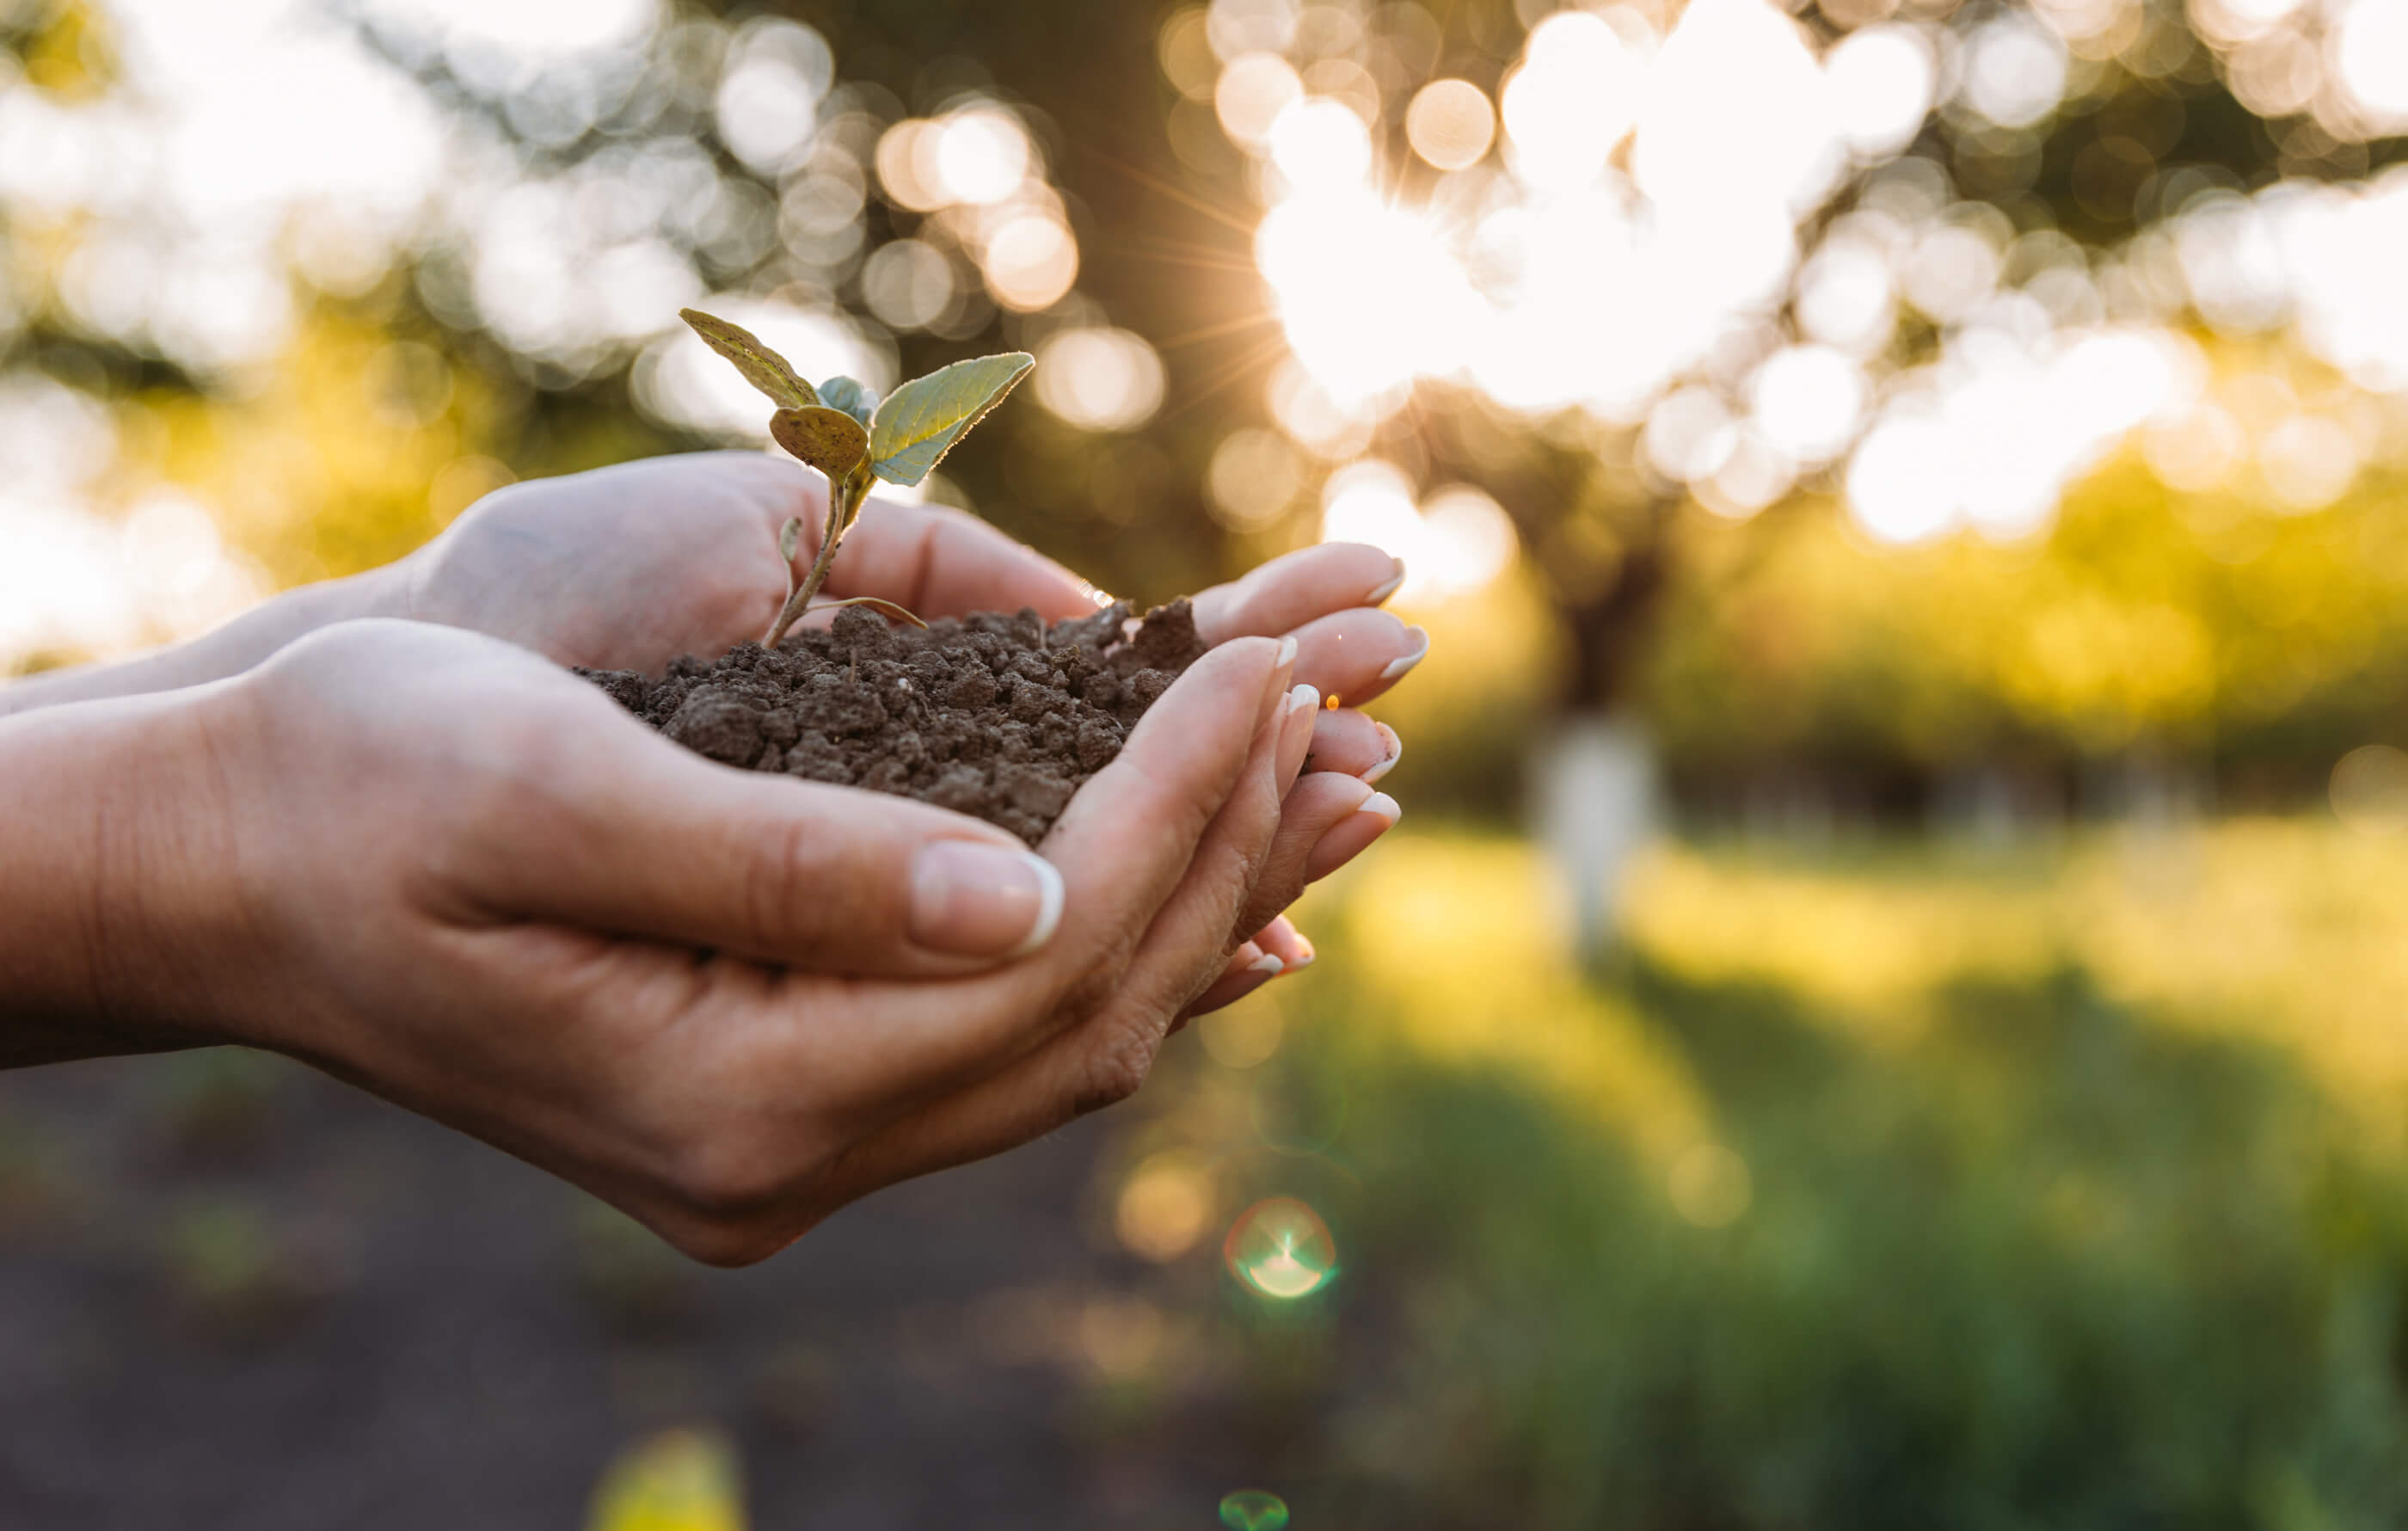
(1890, 1007)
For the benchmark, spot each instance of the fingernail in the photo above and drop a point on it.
(1395, 582)
(975, 900)
(1286, 654)
(1304, 960)
(1266, 964)
(1398, 666)
(1396, 753)
(1296, 730)
(1350, 837)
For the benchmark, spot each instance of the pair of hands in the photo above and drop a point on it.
(438, 866)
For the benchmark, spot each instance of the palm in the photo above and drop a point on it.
(626, 569)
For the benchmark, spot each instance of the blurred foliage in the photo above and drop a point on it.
(2201, 627)
(1883, 1187)
(683, 1480)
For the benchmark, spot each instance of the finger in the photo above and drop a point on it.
(1288, 591)
(1318, 806)
(1354, 745)
(1355, 655)
(938, 562)
(1351, 835)
(1281, 940)
(624, 833)
(1280, 949)
(1250, 967)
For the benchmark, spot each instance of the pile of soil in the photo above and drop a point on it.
(992, 715)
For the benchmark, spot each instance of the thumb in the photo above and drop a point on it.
(644, 838)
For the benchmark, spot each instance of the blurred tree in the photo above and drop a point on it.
(1684, 291)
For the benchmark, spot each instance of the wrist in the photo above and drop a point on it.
(223, 651)
(119, 899)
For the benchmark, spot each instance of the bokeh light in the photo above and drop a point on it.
(1710, 1186)
(1030, 262)
(1253, 477)
(1574, 97)
(2014, 70)
(1100, 378)
(1281, 1248)
(1244, 1035)
(1253, 93)
(1254, 1509)
(1164, 1207)
(769, 96)
(1451, 124)
(1456, 542)
(2369, 790)
(981, 155)
(537, 27)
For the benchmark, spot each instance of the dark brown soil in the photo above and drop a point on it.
(992, 715)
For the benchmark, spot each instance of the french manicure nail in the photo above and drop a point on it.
(1384, 805)
(1396, 753)
(1398, 666)
(1396, 581)
(1266, 964)
(975, 900)
(1286, 654)
(1295, 731)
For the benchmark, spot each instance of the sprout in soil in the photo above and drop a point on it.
(846, 432)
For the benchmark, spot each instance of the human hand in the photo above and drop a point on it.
(626, 567)
(729, 1003)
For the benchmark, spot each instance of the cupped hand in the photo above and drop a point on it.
(727, 1002)
(626, 567)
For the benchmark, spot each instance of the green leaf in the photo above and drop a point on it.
(764, 368)
(921, 420)
(828, 439)
(854, 398)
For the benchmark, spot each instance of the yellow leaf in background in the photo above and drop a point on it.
(920, 422)
(683, 1480)
(764, 368)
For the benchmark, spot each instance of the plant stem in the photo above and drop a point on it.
(829, 538)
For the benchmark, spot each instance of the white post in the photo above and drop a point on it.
(1594, 798)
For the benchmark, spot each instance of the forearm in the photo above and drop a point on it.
(106, 911)
(223, 651)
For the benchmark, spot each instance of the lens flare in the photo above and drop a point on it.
(1252, 1510)
(1281, 1248)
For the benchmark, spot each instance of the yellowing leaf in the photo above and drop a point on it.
(680, 1482)
(879, 602)
(920, 422)
(764, 368)
(828, 439)
(854, 398)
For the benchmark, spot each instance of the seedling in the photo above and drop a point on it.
(854, 438)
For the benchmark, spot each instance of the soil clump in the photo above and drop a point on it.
(998, 716)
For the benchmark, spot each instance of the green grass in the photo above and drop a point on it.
(1890, 1187)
